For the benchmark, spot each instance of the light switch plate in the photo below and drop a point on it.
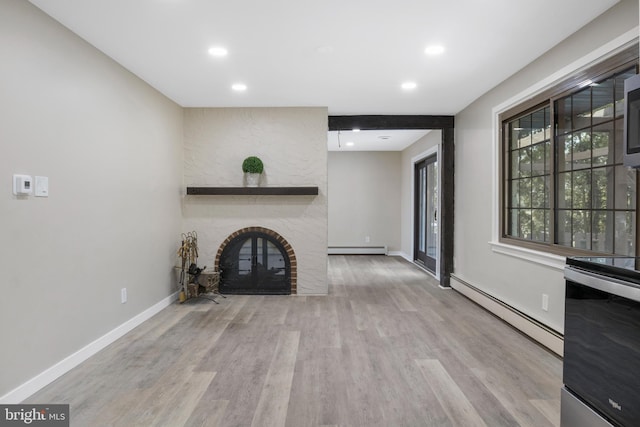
(42, 186)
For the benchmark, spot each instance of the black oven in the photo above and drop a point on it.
(601, 365)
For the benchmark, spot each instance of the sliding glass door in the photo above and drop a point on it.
(426, 213)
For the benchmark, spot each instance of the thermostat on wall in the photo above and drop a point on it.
(22, 185)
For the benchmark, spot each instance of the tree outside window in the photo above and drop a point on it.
(564, 182)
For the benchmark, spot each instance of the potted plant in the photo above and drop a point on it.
(252, 167)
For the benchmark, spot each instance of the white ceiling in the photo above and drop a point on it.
(350, 56)
(374, 140)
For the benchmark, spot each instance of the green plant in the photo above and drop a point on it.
(252, 164)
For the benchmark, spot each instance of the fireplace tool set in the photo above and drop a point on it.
(190, 286)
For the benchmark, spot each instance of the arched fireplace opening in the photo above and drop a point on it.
(256, 260)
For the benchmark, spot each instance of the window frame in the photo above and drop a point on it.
(571, 84)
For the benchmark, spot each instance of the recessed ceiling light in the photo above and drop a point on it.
(434, 50)
(350, 144)
(218, 51)
(385, 137)
(409, 85)
(355, 130)
(239, 87)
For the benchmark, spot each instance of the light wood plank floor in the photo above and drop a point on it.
(387, 347)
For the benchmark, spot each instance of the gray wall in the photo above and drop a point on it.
(364, 199)
(519, 279)
(112, 149)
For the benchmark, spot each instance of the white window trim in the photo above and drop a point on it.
(598, 55)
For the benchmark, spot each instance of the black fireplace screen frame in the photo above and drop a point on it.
(260, 272)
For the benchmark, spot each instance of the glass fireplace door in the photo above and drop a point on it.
(254, 263)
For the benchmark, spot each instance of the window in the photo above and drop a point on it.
(529, 153)
(564, 186)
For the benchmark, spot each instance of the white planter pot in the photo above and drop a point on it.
(252, 179)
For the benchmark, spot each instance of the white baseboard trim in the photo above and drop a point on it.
(36, 383)
(400, 254)
(357, 250)
(549, 338)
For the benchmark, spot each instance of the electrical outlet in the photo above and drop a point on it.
(545, 302)
(123, 295)
(367, 239)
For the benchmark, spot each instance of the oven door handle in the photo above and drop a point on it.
(606, 284)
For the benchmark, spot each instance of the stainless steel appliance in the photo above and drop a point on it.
(631, 154)
(601, 365)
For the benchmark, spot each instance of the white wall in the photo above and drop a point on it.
(292, 143)
(364, 199)
(111, 147)
(520, 282)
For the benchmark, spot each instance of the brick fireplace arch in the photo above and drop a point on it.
(290, 253)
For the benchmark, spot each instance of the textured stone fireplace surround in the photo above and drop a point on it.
(292, 143)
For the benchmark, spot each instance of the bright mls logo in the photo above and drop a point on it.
(34, 415)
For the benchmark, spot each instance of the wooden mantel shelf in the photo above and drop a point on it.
(252, 191)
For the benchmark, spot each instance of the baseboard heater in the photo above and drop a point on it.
(541, 333)
(357, 250)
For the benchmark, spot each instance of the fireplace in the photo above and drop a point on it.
(256, 260)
